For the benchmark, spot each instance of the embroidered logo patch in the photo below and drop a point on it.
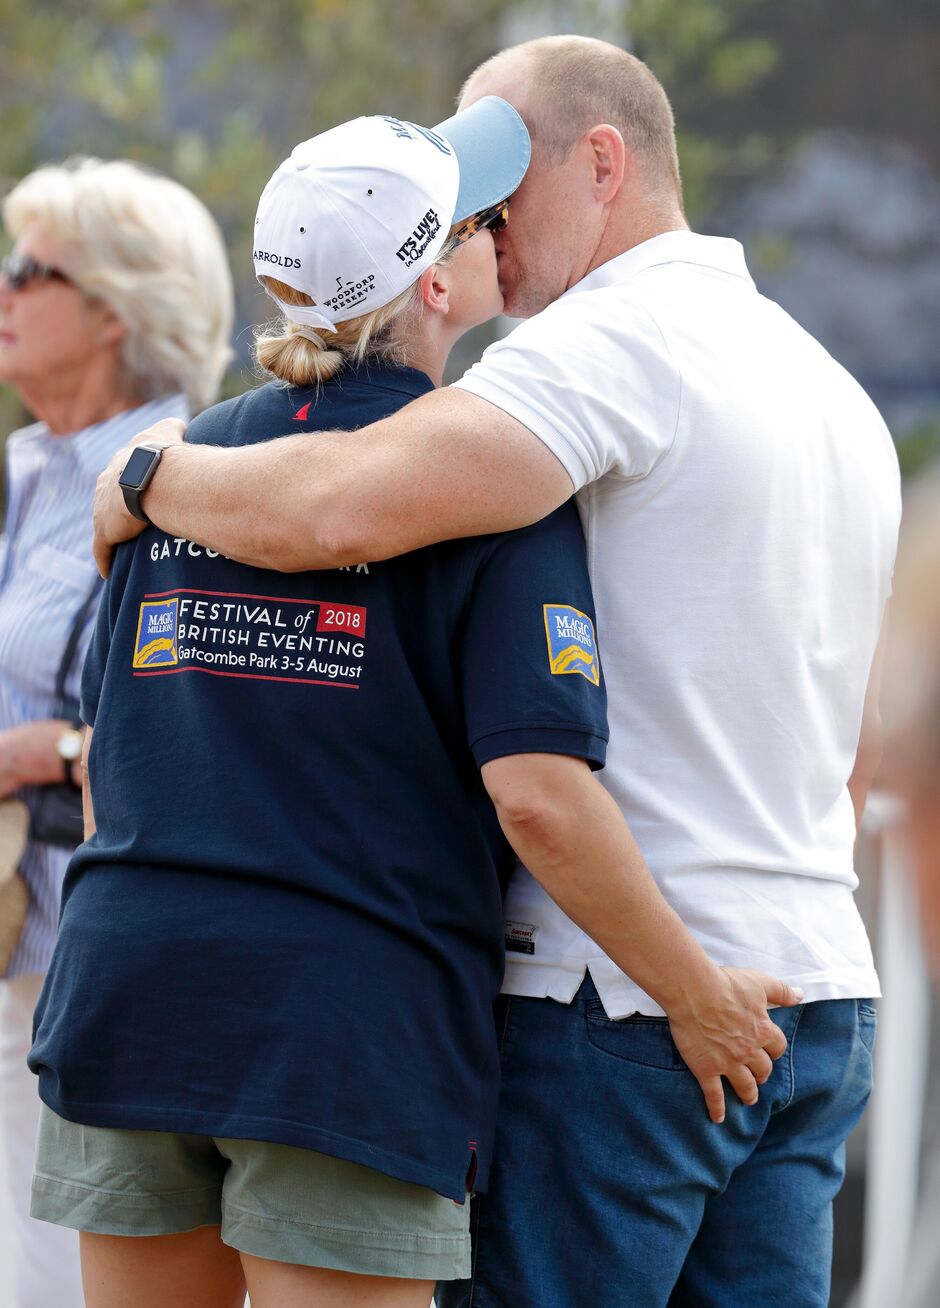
(571, 643)
(155, 646)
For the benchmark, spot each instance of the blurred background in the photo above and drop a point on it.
(808, 129)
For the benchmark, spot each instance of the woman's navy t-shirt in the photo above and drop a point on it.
(288, 925)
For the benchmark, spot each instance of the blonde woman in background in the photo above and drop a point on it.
(912, 695)
(308, 1080)
(115, 311)
(912, 711)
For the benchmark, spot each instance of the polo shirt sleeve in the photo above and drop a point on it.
(529, 662)
(592, 377)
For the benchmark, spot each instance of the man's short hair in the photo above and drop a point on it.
(569, 84)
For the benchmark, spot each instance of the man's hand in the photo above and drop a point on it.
(728, 1033)
(113, 523)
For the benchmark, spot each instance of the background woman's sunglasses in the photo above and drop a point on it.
(18, 270)
(495, 218)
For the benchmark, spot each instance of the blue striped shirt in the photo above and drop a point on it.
(46, 571)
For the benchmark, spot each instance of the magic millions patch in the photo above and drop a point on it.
(156, 646)
(572, 647)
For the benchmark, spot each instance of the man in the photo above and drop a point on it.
(740, 500)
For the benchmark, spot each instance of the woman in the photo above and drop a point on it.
(266, 1040)
(115, 310)
(912, 715)
(910, 701)
(304, 940)
(912, 696)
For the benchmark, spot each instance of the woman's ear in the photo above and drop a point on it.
(435, 288)
(111, 329)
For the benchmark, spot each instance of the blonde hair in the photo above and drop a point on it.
(568, 84)
(302, 356)
(151, 251)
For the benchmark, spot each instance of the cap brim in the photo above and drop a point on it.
(492, 146)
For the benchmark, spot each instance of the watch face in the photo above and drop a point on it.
(136, 467)
(69, 745)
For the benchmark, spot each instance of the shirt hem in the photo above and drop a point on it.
(271, 1130)
(576, 742)
(561, 981)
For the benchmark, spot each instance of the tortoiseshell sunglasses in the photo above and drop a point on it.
(495, 218)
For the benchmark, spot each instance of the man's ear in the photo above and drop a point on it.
(434, 287)
(610, 160)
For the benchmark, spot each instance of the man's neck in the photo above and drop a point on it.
(623, 234)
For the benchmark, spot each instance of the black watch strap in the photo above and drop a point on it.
(63, 706)
(137, 474)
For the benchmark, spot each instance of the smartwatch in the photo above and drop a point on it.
(69, 747)
(138, 474)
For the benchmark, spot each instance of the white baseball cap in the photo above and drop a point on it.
(356, 214)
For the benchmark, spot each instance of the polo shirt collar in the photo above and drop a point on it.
(717, 252)
(390, 376)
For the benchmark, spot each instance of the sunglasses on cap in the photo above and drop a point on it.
(18, 270)
(495, 218)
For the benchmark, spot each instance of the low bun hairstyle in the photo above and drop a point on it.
(304, 356)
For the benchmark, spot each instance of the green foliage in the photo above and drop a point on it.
(705, 55)
(216, 92)
(919, 447)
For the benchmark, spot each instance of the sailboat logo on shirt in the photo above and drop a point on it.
(571, 644)
(155, 646)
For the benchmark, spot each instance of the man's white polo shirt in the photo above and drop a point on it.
(740, 497)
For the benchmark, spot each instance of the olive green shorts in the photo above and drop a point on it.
(271, 1200)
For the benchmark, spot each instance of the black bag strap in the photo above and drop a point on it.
(60, 707)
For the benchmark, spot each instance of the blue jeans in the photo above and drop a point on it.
(611, 1188)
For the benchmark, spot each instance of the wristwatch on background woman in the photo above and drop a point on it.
(69, 747)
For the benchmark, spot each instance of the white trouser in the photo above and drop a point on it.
(39, 1262)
